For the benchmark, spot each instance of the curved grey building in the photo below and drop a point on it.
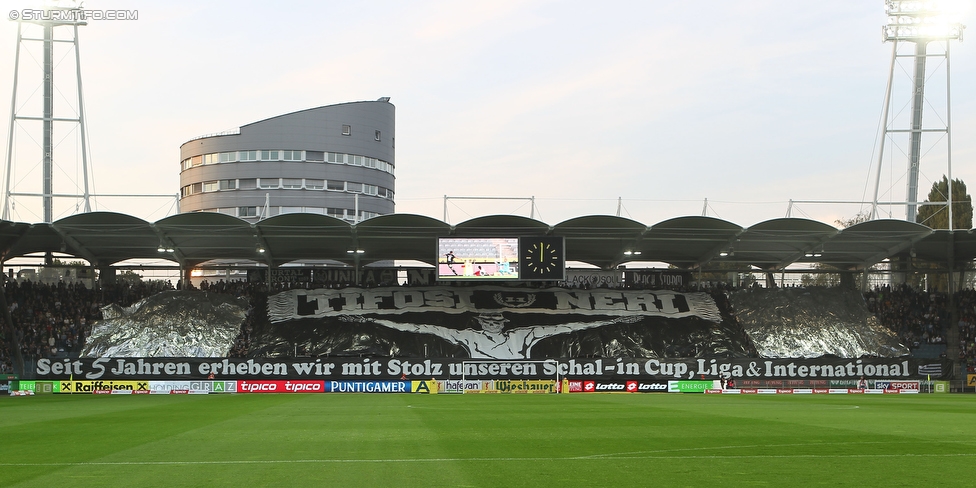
(336, 160)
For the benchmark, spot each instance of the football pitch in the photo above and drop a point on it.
(488, 440)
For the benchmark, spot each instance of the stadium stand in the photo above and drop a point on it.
(54, 320)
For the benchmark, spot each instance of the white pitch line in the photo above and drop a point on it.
(489, 459)
(715, 448)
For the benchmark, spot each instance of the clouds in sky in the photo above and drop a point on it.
(662, 104)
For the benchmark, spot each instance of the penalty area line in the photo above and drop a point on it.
(482, 459)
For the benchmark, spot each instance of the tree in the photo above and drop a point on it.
(832, 279)
(937, 216)
(857, 219)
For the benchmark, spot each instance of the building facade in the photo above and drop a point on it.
(336, 160)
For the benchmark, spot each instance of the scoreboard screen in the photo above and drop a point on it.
(501, 258)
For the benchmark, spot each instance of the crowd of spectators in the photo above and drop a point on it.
(53, 320)
(967, 328)
(918, 317)
(257, 297)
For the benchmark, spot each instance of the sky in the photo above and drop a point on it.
(653, 109)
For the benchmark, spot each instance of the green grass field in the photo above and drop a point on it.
(488, 440)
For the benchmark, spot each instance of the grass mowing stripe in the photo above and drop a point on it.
(487, 440)
(530, 459)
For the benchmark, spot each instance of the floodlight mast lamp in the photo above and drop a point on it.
(920, 22)
(66, 18)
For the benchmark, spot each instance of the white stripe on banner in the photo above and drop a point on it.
(298, 304)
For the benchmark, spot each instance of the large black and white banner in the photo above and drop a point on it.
(607, 369)
(493, 322)
(295, 304)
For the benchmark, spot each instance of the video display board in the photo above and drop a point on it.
(500, 258)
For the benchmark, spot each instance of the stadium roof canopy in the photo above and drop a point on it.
(191, 239)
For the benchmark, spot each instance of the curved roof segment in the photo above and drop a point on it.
(105, 238)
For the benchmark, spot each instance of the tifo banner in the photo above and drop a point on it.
(837, 372)
(493, 322)
(299, 303)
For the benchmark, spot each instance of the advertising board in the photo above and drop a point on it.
(280, 386)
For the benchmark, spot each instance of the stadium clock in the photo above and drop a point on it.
(542, 258)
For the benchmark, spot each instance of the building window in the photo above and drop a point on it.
(317, 156)
(288, 210)
(338, 213)
(337, 158)
(346, 130)
(376, 136)
(210, 158)
(354, 187)
(268, 183)
(228, 184)
(196, 188)
(248, 155)
(247, 183)
(291, 183)
(226, 157)
(354, 160)
(291, 155)
(247, 211)
(370, 189)
(186, 164)
(336, 185)
(269, 155)
(313, 184)
(209, 186)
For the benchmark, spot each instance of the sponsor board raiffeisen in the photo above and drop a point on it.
(690, 386)
(525, 386)
(93, 386)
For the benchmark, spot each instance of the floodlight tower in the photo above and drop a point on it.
(61, 14)
(920, 22)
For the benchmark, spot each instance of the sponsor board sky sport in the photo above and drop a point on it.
(619, 369)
